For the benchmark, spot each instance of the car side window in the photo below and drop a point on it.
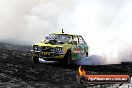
(80, 39)
(70, 39)
(75, 40)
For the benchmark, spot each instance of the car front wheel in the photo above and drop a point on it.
(67, 58)
(35, 59)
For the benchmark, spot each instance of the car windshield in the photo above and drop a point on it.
(61, 37)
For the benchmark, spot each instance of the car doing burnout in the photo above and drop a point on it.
(62, 47)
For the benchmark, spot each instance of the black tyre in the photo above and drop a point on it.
(67, 58)
(35, 59)
(86, 54)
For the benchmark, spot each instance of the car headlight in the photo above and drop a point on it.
(35, 48)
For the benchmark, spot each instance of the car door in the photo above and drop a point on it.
(78, 48)
(83, 46)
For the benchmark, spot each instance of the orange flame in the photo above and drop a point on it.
(81, 71)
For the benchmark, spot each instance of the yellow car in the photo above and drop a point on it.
(61, 47)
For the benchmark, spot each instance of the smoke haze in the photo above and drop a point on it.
(104, 24)
(30, 21)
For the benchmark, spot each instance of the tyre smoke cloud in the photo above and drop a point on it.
(106, 27)
(27, 22)
(105, 24)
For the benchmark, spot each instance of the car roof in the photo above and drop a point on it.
(66, 34)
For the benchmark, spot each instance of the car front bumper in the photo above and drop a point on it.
(49, 56)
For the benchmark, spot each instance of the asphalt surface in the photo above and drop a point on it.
(17, 70)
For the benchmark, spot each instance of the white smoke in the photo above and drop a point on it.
(104, 24)
(29, 21)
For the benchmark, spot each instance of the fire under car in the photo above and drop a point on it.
(61, 47)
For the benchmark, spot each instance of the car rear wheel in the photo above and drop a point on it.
(35, 59)
(86, 54)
